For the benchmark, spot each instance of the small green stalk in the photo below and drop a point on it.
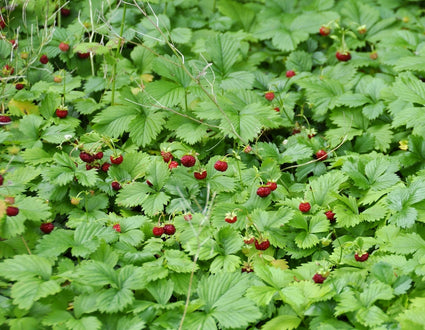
(114, 68)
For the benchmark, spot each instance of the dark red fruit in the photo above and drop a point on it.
(362, 257)
(200, 175)
(247, 267)
(1, 180)
(221, 166)
(44, 59)
(65, 12)
(230, 218)
(4, 119)
(117, 227)
(188, 160)
(89, 167)
(61, 113)
(158, 231)
(272, 185)
(63, 46)
(11, 211)
(276, 109)
(324, 31)
(19, 86)
(263, 245)
(290, 73)
(86, 157)
(47, 227)
(98, 155)
(330, 215)
(116, 185)
(269, 96)
(83, 55)
(321, 154)
(318, 278)
(173, 164)
(2, 23)
(343, 57)
(263, 191)
(169, 229)
(149, 183)
(105, 167)
(304, 207)
(249, 240)
(116, 160)
(166, 156)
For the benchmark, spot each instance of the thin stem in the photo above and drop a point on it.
(117, 53)
(26, 245)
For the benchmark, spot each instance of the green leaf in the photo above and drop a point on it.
(22, 267)
(323, 188)
(87, 238)
(178, 261)
(226, 263)
(409, 88)
(229, 241)
(115, 120)
(161, 290)
(133, 194)
(29, 290)
(55, 243)
(262, 295)
(146, 127)
(223, 50)
(283, 322)
(87, 322)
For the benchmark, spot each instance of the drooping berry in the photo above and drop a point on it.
(19, 86)
(321, 154)
(324, 30)
(65, 12)
(173, 164)
(269, 96)
(343, 57)
(169, 229)
(83, 55)
(221, 165)
(12, 211)
(290, 73)
(47, 227)
(158, 231)
(105, 167)
(44, 59)
(188, 160)
(61, 113)
(263, 191)
(4, 120)
(117, 227)
(262, 245)
(362, 257)
(318, 278)
(304, 207)
(187, 217)
(230, 217)
(116, 160)
(272, 185)
(200, 175)
(98, 155)
(64, 47)
(86, 157)
(166, 156)
(249, 240)
(330, 215)
(116, 185)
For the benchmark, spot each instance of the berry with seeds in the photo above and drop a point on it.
(117, 227)
(343, 56)
(173, 164)
(262, 245)
(321, 154)
(324, 30)
(361, 257)
(169, 229)
(187, 217)
(263, 191)
(276, 109)
(318, 278)
(221, 165)
(83, 55)
(290, 73)
(86, 157)
(116, 160)
(272, 185)
(249, 240)
(12, 211)
(105, 167)
(44, 59)
(116, 185)
(200, 175)
(247, 149)
(7, 70)
(304, 207)
(61, 113)
(230, 217)
(2, 23)
(65, 12)
(98, 155)
(47, 227)
(188, 160)
(158, 231)
(166, 156)
(64, 47)
(19, 86)
(330, 215)
(269, 96)
(9, 200)
(4, 120)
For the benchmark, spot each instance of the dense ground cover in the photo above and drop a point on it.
(212, 164)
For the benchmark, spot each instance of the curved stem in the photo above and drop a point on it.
(117, 53)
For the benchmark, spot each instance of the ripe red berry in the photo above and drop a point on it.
(64, 46)
(11, 211)
(98, 155)
(116, 185)
(117, 227)
(272, 185)
(187, 217)
(19, 86)
(173, 164)
(290, 73)
(304, 207)
(362, 257)
(116, 160)
(188, 160)
(2, 23)
(269, 96)
(166, 156)
(65, 12)
(158, 231)
(321, 154)
(61, 113)
(318, 278)
(230, 217)
(169, 229)
(324, 31)
(221, 166)
(1, 180)
(330, 215)
(263, 245)
(44, 59)
(86, 157)
(264, 191)
(200, 175)
(149, 183)
(276, 109)
(47, 227)
(105, 167)
(89, 167)
(4, 119)
(83, 55)
(343, 57)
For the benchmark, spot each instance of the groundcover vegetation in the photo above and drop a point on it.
(212, 164)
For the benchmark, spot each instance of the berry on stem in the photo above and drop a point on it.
(173, 164)
(47, 227)
(262, 245)
(269, 96)
(230, 217)
(158, 231)
(61, 113)
(86, 157)
(272, 185)
(264, 191)
(116, 185)
(200, 175)
(290, 73)
(318, 278)
(321, 154)
(12, 211)
(4, 120)
(324, 30)
(116, 160)
(188, 160)
(64, 47)
(343, 56)
(330, 215)
(361, 257)
(83, 55)
(166, 156)
(304, 207)
(44, 59)
(221, 165)
(117, 227)
(105, 167)
(169, 229)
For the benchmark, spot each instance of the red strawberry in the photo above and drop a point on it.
(149, 183)
(321, 154)
(173, 164)
(263, 245)
(8, 70)
(362, 257)
(4, 119)
(2, 23)
(290, 73)
(277, 109)
(166, 156)
(318, 278)
(116, 160)
(19, 86)
(47, 227)
(264, 191)
(1, 180)
(89, 167)
(117, 227)
(188, 160)
(304, 207)
(98, 155)
(83, 55)
(269, 96)
(11, 211)
(116, 185)
(65, 12)
(105, 167)
(158, 231)
(61, 113)
(221, 166)
(44, 59)
(200, 175)
(64, 46)
(330, 215)
(187, 217)
(272, 185)
(169, 229)
(249, 240)
(230, 217)
(247, 149)
(14, 43)
(324, 30)
(86, 157)
(344, 57)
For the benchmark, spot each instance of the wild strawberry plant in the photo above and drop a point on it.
(215, 164)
